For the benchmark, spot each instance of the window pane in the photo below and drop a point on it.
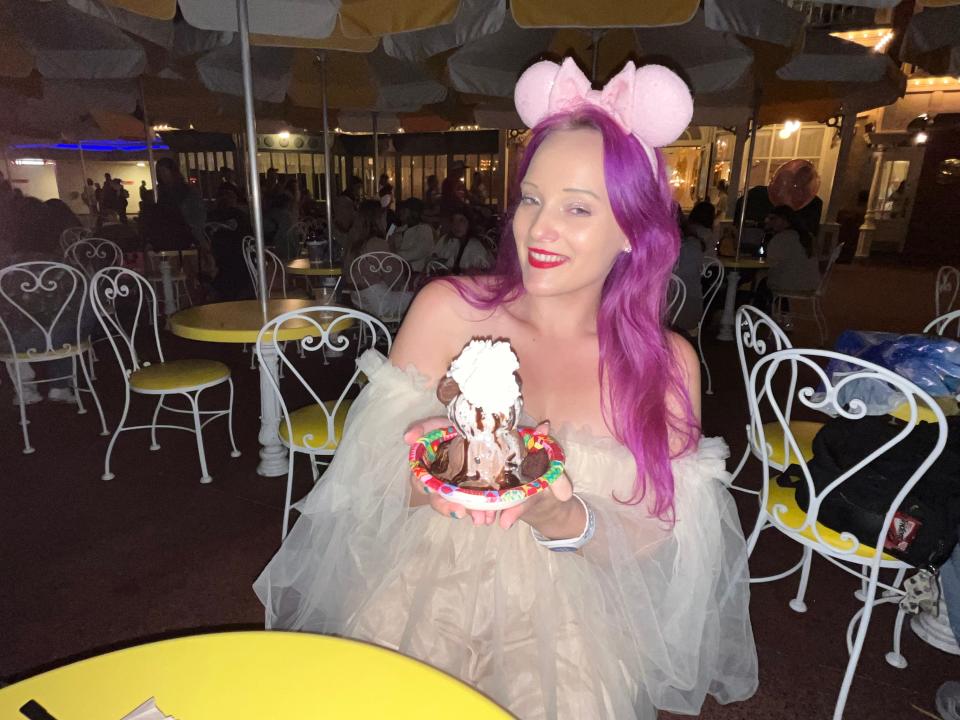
(810, 142)
(763, 144)
(758, 173)
(784, 147)
(417, 189)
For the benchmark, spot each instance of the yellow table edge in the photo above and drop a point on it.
(252, 674)
(184, 324)
(297, 267)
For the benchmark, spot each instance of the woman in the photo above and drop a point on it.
(650, 612)
(793, 264)
(689, 265)
(413, 240)
(459, 249)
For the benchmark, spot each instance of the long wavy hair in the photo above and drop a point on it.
(637, 367)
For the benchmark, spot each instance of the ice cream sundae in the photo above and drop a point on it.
(481, 391)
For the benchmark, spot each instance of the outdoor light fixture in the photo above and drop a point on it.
(284, 134)
(920, 138)
(788, 129)
(29, 161)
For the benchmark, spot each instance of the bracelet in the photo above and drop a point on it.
(570, 544)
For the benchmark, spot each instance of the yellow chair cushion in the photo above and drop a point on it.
(803, 432)
(56, 354)
(179, 375)
(794, 516)
(312, 420)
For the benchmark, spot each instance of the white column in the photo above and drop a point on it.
(729, 306)
(273, 455)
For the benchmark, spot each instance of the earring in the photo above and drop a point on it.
(628, 249)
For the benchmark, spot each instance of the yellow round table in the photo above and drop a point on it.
(256, 675)
(302, 266)
(744, 263)
(240, 322)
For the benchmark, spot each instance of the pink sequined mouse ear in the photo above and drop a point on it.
(661, 107)
(546, 87)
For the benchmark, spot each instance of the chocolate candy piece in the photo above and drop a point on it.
(447, 390)
(535, 464)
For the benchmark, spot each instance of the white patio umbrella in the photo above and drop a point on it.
(65, 43)
(932, 40)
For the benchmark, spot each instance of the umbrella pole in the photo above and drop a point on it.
(273, 455)
(148, 136)
(326, 157)
(376, 157)
(597, 36)
(83, 172)
(250, 127)
(746, 174)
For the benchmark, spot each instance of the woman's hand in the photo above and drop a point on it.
(548, 512)
(421, 495)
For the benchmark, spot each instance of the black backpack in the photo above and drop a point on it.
(924, 530)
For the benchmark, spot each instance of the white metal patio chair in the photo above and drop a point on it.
(274, 269)
(946, 289)
(90, 254)
(712, 276)
(188, 378)
(676, 297)
(382, 286)
(865, 557)
(758, 335)
(44, 318)
(316, 428)
(941, 325)
(815, 299)
(70, 235)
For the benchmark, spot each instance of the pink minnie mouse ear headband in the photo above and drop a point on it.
(651, 102)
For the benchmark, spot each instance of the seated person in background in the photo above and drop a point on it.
(689, 267)
(459, 249)
(278, 220)
(232, 281)
(380, 286)
(124, 235)
(413, 240)
(700, 225)
(794, 267)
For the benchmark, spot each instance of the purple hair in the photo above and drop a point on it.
(636, 361)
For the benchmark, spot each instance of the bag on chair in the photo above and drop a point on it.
(923, 532)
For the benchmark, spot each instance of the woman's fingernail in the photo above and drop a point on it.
(454, 515)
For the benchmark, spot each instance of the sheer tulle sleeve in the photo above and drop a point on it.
(680, 595)
(646, 615)
(344, 536)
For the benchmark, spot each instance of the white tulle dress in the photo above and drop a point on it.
(646, 617)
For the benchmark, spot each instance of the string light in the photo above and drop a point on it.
(883, 42)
